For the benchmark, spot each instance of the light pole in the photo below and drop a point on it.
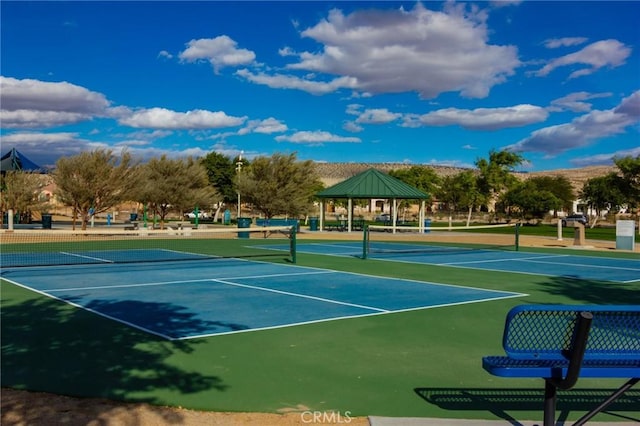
(238, 169)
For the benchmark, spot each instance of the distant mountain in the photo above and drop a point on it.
(332, 173)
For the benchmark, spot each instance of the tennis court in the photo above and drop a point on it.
(545, 264)
(233, 324)
(221, 296)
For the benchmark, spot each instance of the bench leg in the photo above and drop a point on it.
(584, 419)
(550, 394)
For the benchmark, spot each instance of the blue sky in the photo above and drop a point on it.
(409, 82)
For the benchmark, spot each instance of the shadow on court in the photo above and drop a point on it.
(505, 403)
(50, 346)
(593, 292)
(169, 319)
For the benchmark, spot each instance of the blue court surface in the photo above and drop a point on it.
(188, 299)
(557, 265)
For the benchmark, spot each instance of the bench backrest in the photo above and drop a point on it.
(546, 332)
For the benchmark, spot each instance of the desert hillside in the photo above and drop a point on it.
(332, 173)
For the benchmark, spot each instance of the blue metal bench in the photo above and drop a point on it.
(561, 343)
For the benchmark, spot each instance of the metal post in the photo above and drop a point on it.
(238, 170)
(365, 240)
(550, 392)
(293, 244)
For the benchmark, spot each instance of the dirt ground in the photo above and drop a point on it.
(20, 408)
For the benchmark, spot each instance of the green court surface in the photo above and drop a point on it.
(419, 363)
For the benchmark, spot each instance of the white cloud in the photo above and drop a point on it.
(220, 51)
(377, 116)
(315, 137)
(38, 104)
(32, 119)
(630, 105)
(352, 127)
(164, 54)
(44, 148)
(504, 3)
(576, 101)
(554, 43)
(394, 51)
(604, 159)
(268, 126)
(486, 118)
(161, 118)
(354, 109)
(583, 130)
(286, 51)
(281, 81)
(597, 55)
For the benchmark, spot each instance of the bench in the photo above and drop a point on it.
(279, 222)
(560, 343)
(133, 227)
(340, 226)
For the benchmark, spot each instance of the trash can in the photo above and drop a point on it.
(313, 223)
(244, 222)
(46, 221)
(427, 226)
(227, 217)
(133, 217)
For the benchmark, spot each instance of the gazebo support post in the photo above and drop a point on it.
(395, 214)
(349, 214)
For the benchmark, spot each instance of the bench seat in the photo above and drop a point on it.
(508, 367)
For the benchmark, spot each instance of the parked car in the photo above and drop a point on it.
(384, 217)
(201, 215)
(573, 218)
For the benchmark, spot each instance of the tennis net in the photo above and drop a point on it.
(20, 248)
(389, 241)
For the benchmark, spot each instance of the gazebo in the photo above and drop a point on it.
(372, 184)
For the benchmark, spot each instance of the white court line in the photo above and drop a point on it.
(160, 283)
(584, 265)
(99, 259)
(342, 246)
(510, 259)
(295, 324)
(76, 305)
(304, 296)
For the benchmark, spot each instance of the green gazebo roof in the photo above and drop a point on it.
(372, 183)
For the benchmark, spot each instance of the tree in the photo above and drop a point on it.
(175, 184)
(604, 192)
(461, 191)
(559, 186)
(279, 185)
(94, 181)
(530, 200)
(423, 178)
(496, 173)
(221, 171)
(20, 192)
(630, 169)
